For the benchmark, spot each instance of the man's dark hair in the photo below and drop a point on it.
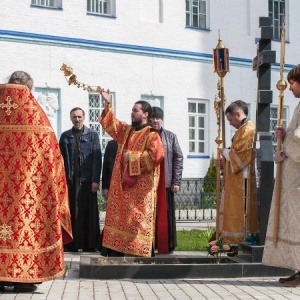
(294, 74)
(77, 108)
(146, 107)
(235, 106)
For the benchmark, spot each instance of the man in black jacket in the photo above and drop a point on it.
(173, 163)
(108, 165)
(80, 148)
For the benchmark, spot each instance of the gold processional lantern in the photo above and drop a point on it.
(221, 59)
(221, 67)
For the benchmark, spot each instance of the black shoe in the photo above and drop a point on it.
(89, 250)
(233, 253)
(25, 288)
(70, 250)
(290, 278)
(2, 288)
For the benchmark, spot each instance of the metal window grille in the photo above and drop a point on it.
(47, 3)
(274, 121)
(106, 7)
(96, 105)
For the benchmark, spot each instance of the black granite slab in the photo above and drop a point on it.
(92, 267)
(256, 252)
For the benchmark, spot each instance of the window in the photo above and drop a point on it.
(274, 122)
(196, 13)
(96, 106)
(103, 7)
(49, 100)
(198, 126)
(47, 3)
(277, 13)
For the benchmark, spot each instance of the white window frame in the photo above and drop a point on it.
(195, 115)
(277, 12)
(47, 3)
(197, 13)
(274, 122)
(96, 106)
(102, 7)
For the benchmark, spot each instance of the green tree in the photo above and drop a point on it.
(209, 184)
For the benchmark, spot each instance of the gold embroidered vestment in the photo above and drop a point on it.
(34, 211)
(130, 214)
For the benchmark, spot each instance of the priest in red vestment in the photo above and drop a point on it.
(131, 208)
(34, 208)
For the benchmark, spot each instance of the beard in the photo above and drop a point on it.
(136, 123)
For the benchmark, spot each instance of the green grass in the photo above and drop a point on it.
(193, 240)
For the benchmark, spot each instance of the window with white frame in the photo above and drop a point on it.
(274, 122)
(47, 3)
(96, 105)
(196, 13)
(198, 126)
(103, 7)
(277, 11)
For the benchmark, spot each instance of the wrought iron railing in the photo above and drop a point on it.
(194, 202)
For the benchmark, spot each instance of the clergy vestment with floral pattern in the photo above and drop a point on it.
(34, 209)
(131, 209)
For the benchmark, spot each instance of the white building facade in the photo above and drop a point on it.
(158, 50)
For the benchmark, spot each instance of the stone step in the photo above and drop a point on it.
(256, 252)
(168, 267)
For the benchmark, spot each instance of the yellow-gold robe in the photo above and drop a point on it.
(240, 193)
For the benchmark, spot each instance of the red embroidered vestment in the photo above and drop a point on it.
(130, 214)
(34, 211)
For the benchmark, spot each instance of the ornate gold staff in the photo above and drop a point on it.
(221, 67)
(281, 86)
(218, 140)
(72, 79)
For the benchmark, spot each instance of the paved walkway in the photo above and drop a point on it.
(74, 288)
